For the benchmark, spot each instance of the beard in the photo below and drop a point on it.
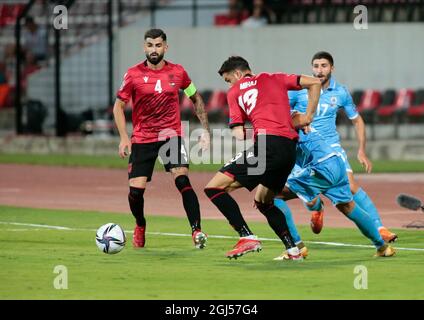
(155, 59)
(324, 79)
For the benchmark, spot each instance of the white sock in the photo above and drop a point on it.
(293, 251)
(251, 237)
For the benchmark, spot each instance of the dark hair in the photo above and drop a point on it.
(234, 63)
(323, 55)
(155, 33)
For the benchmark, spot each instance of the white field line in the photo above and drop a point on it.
(36, 225)
(335, 244)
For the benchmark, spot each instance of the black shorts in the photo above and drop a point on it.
(143, 157)
(268, 162)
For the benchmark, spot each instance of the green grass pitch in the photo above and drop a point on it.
(170, 268)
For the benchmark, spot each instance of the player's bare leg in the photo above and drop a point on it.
(139, 182)
(286, 194)
(362, 199)
(222, 181)
(191, 205)
(136, 202)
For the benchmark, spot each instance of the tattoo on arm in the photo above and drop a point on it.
(199, 109)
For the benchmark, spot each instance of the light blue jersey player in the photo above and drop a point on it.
(335, 97)
(321, 170)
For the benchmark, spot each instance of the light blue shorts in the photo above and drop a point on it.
(328, 178)
(338, 148)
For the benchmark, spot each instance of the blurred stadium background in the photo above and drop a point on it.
(62, 83)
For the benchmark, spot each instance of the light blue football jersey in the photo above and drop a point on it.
(332, 99)
(312, 149)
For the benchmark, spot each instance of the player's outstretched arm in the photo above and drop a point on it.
(359, 125)
(314, 90)
(119, 116)
(199, 109)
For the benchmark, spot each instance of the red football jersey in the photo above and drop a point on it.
(262, 99)
(155, 100)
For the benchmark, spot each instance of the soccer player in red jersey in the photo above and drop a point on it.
(153, 87)
(262, 100)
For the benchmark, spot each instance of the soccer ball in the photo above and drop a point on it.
(110, 238)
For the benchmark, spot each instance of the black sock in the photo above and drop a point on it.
(230, 209)
(190, 201)
(277, 221)
(136, 201)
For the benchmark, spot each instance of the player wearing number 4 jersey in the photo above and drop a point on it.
(153, 87)
(261, 99)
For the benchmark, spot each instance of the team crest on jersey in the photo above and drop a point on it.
(171, 79)
(145, 79)
(333, 100)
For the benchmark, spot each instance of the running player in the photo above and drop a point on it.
(261, 99)
(334, 97)
(321, 170)
(153, 87)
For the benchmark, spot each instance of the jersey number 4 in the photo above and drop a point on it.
(158, 86)
(247, 101)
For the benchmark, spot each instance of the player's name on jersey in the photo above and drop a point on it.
(247, 84)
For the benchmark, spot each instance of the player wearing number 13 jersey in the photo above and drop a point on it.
(153, 88)
(261, 99)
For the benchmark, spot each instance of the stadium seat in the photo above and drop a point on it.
(225, 20)
(206, 95)
(217, 106)
(387, 99)
(342, 117)
(9, 13)
(399, 106)
(356, 96)
(416, 110)
(186, 107)
(368, 103)
(4, 93)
